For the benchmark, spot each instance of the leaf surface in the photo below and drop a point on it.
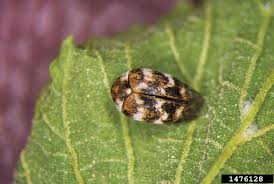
(223, 49)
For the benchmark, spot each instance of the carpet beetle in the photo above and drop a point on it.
(151, 96)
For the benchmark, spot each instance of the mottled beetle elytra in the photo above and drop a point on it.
(152, 96)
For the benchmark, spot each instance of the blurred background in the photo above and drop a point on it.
(30, 34)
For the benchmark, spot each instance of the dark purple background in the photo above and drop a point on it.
(30, 34)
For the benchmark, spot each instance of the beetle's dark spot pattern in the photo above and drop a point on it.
(170, 108)
(149, 102)
(120, 90)
(173, 91)
(160, 78)
(128, 113)
(152, 96)
(151, 116)
(151, 113)
(123, 86)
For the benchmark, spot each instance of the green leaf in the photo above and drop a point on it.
(223, 49)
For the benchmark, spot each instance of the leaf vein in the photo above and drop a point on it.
(105, 79)
(259, 133)
(175, 52)
(247, 42)
(254, 59)
(25, 166)
(129, 148)
(124, 123)
(52, 128)
(72, 152)
(185, 152)
(206, 45)
(128, 56)
(266, 148)
(236, 140)
(130, 153)
(199, 73)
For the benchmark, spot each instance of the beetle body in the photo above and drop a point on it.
(151, 96)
